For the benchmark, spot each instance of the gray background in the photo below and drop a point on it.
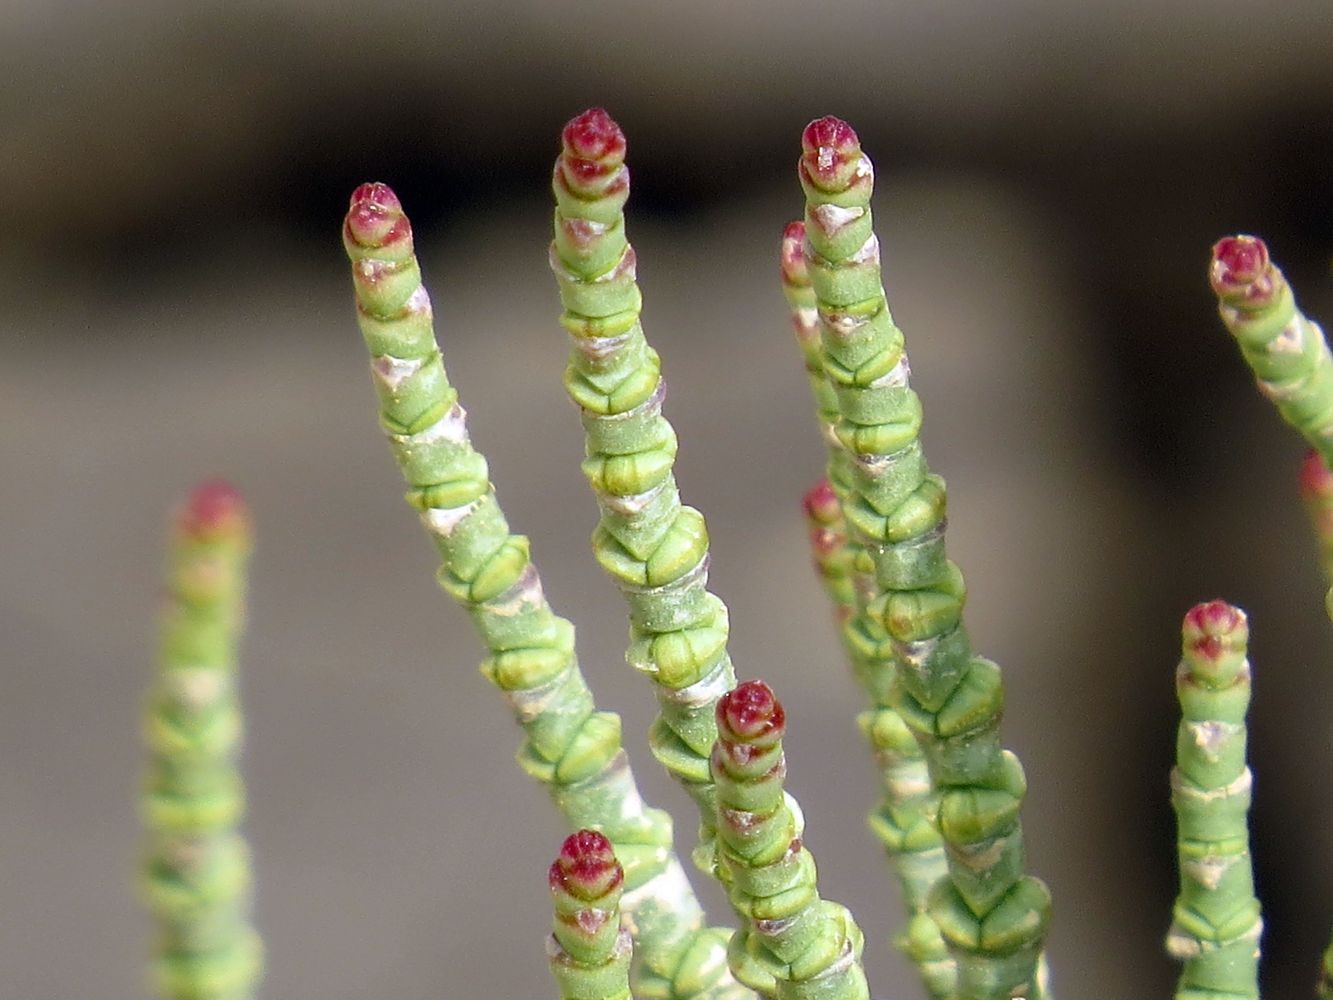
(176, 305)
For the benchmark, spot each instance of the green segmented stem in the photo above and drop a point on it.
(1290, 358)
(196, 874)
(1286, 351)
(589, 950)
(1317, 492)
(804, 310)
(905, 818)
(1216, 925)
(655, 548)
(993, 916)
(832, 552)
(570, 746)
(806, 947)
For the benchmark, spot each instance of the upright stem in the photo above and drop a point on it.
(1216, 925)
(655, 548)
(1293, 366)
(992, 915)
(589, 951)
(905, 821)
(794, 945)
(570, 746)
(1287, 352)
(196, 874)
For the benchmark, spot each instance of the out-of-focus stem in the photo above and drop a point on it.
(1317, 492)
(806, 947)
(196, 874)
(1216, 925)
(992, 915)
(570, 746)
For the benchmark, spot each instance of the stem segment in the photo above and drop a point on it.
(655, 548)
(589, 950)
(993, 916)
(1287, 352)
(196, 875)
(570, 746)
(805, 947)
(905, 821)
(1216, 925)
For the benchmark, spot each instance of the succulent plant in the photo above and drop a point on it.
(626, 918)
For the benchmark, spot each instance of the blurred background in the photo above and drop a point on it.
(1050, 177)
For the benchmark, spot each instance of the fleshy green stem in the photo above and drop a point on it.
(905, 821)
(1290, 358)
(196, 875)
(589, 950)
(655, 548)
(992, 915)
(570, 746)
(809, 948)
(1216, 925)
(1287, 352)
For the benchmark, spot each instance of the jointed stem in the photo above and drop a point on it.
(1216, 924)
(905, 821)
(571, 747)
(589, 951)
(196, 875)
(992, 915)
(1290, 358)
(655, 548)
(1286, 351)
(794, 945)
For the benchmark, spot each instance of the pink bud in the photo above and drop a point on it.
(1213, 626)
(750, 713)
(1316, 479)
(375, 217)
(821, 503)
(593, 135)
(794, 270)
(587, 867)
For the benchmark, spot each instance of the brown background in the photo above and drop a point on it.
(176, 305)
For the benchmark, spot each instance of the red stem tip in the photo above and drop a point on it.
(1212, 627)
(587, 867)
(1240, 267)
(792, 259)
(375, 216)
(828, 147)
(751, 713)
(593, 135)
(1316, 479)
(821, 503)
(214, 508)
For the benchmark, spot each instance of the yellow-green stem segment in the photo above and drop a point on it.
(654, 547)
(1216, 925)
(570, 746)
(993, 916)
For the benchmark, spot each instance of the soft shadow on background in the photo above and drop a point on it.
(1050, 177)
